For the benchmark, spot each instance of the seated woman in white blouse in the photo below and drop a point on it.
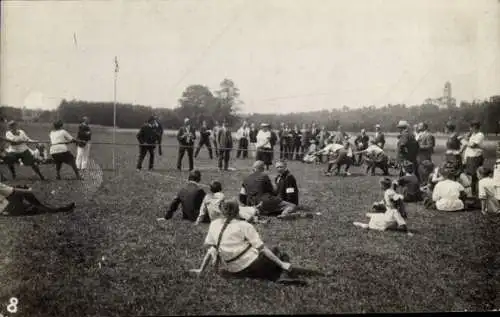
(211, 210)
(237, 247)
(448, 195)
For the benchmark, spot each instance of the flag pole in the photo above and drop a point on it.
(114, 112)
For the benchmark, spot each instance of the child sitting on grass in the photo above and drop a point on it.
(410, 185)
(487, 188)
(211, 207)
(391, 218)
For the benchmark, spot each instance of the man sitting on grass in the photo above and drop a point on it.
(257, 190)
(189, 197)
(19, 200)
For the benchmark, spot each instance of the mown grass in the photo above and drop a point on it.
(111, 258)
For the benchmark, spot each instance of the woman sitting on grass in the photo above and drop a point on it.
(487, 188)
(237, 246)
(448, 194)
(393, 216)
(210, 209)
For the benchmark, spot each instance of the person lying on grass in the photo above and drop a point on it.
(20, 200)
(487, 188)
(235, 247)
(210, 209)
(391, 218)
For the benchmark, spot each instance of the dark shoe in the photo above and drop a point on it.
(287, 278)
(67, 208)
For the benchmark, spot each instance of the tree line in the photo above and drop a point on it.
(199, 103)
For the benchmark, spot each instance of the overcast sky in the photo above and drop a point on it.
(283, 55)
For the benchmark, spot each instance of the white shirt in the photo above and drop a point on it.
(332, 148)
(211, 205)
(59, 136)
(242, 133)
(446, 194)
(5, 191)
(374, 150)
(236, 238)
(19, 148)
(496, 177)
(263, 139)
(485, 185)
(478, 139)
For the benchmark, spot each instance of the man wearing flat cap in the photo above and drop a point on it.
(407, 146)
(186, 137)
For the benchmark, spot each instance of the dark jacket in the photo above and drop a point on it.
(225, 140)
(297, 137)
(426, 144)
(147, 135)
(274, 138)
(407, 146)
(84, 132)
(186, 136)
(190, 198)
(253, 135)
(255, 187)
(204, 134)
(159, 130)
(306, 137)
(363, 139)
(287, 188)
(380, 139)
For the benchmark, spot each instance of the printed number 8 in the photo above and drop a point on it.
(12, 307)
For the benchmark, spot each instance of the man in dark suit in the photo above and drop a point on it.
(321, 140)
(286, 184)
(159, 130)
(189, 197)
(314, 131)
(379, 137)
(186, 137)
(225, 142)
(361, 143)
(204, 140)
(407, 146)
(148, 139)
(257, 190)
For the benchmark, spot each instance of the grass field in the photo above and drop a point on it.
(111, 258)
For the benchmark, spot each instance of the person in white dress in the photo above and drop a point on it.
(487, 188)
(448, 194)
(391, 218)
